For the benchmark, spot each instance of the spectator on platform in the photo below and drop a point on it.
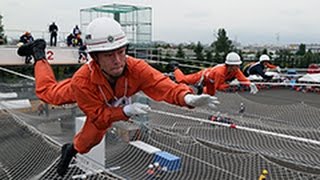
(77, 41)
(53, 29)
(70, 40)
(76, 31)
(26, 38)
(258, 68)
(102, 87)
(211, 79)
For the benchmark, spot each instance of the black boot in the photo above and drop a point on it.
(28, 59)
(172, 66)
(67, 153)
(199, 88)
(171, 76)
(35, 48)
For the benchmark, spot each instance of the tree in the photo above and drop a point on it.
(222, 45)
(198, 50)
(264, 51)
(308, 59)
(2, 36)
(259, 53)
(180, 52)
(168, 55)
(284, 58)
(190, 46)
(302, 50)
(209, 56)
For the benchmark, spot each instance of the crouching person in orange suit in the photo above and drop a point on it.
(210, 80)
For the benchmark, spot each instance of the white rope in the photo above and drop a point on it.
(181, 65)
(282, 84)
(18, 74)
(239, 127)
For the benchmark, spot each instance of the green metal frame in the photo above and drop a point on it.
(136, 21)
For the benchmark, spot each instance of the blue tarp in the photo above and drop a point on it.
(168, 160)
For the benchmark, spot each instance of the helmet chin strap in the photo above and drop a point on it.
(105, 72)
(109, 76)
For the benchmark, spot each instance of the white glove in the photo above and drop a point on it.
(235, 82)
(253, 88)
(136, 109)
(201, 100)
(278, 69)
(20, 44)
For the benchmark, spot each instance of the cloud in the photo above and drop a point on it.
(197, 15)
(181, 21)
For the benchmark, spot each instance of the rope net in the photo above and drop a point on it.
(207, 151)
(279, 131)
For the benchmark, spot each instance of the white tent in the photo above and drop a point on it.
(15, 104)
(255, 77)
(269, 73)
(315, 78)
(8, 95)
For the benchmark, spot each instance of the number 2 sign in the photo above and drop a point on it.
(50, 55)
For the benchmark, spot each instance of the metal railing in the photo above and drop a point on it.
(13, 36)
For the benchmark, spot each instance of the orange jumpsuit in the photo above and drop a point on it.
(271, 66)
(90, 89)
(258, 68)
(213, 78)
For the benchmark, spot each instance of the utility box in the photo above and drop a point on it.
(165, 159)
(127, 131)
(97, 153)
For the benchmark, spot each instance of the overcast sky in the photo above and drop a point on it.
(247, 21)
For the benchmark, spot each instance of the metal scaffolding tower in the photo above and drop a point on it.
(136, 21)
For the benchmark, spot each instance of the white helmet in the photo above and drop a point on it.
(264, 57)
(104, 34)
(150, 166)
(156, 164)
(233, 59)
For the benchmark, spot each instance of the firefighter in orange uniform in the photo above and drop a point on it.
(102, 87)
(215, 78)
(258, 68)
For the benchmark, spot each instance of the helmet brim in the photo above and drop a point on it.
(108, 49)
(233, 63)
